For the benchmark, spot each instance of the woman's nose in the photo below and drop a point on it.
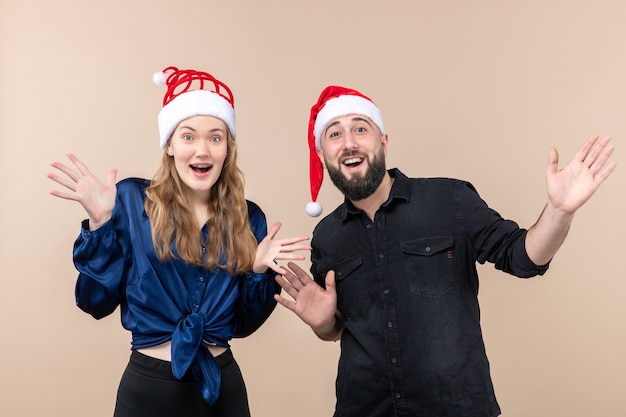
(203, 148)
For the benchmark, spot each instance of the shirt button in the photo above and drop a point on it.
(394, 360)
(201, 279)
(397, 396)
(369, 226)
(381, 255)
(389, 324)
(427, 249)
(386, 292)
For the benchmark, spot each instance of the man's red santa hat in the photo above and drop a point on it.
(334, 102)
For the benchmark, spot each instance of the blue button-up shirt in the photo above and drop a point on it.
(163, 301)
(407, 289)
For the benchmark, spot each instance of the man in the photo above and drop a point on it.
(394, 266)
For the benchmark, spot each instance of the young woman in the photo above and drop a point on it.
(186, 257)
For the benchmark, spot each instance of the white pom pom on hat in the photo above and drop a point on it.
(159, 78)
(313, 208)
(334, 101)
(192, 93)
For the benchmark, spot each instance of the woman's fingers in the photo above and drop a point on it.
(73, 175)
(79, 164)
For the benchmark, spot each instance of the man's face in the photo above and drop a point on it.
(353, 151)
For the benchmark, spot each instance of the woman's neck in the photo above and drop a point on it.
(200, 210)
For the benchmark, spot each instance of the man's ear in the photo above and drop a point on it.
(384, 141)
(320, 155)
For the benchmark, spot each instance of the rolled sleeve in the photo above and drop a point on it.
(100, 262)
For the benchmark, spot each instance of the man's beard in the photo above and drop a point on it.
(359, 187)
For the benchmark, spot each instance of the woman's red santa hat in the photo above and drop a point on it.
(333, 102)
(192, 93)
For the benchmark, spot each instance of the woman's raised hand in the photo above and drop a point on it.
(97, 199)
(271, 249)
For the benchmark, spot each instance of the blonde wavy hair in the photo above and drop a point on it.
(230, 243)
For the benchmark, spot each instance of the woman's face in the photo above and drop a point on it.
(199, 146)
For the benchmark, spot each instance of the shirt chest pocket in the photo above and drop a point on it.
(429, 265)
(352, 299)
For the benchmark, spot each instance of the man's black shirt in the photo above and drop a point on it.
(407, 289)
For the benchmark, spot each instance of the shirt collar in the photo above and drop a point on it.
(401, 189)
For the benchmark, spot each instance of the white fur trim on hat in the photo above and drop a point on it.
(194, 103)
(343, 106)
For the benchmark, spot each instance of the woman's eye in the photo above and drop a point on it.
(360, 130)
(187, 137)
(216, 139)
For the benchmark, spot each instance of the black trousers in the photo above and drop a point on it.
(149, 389)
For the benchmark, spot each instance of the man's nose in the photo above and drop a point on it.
(350, 141)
